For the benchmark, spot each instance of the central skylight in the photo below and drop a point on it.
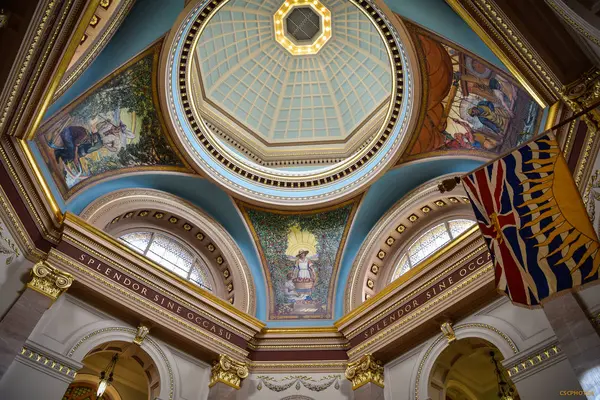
(302, 27)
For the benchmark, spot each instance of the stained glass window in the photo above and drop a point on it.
(171, 255)
(429, 242)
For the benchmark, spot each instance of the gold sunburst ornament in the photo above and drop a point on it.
(301, 241)
(535, 223)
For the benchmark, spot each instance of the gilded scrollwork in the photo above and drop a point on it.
(584, 93)
(48, 280)
(228, 371)
(366, 370)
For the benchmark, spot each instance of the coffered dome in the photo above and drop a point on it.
(290, 102)
(255, 86)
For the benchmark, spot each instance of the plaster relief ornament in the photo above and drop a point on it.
(290, 103)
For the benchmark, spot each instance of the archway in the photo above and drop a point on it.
(465, 371)
(136, 377)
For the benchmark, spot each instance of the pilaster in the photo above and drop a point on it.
(578, 339)
(46, 285)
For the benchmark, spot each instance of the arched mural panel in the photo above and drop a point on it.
(469, 106)
(116, 125)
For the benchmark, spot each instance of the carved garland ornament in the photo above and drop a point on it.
(366, 370)
(300, 380)
(48, 280)
(228, 371)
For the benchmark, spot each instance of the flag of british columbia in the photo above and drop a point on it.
(534, 222)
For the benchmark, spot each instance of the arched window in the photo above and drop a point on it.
(170, 254)
(432, 240)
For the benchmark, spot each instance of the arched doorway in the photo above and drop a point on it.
(466, 370)
(135, 375)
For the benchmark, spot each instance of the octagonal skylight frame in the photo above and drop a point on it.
(289, 44)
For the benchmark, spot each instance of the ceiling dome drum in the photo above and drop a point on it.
(290, 102)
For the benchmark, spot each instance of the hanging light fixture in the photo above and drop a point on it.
(106, 376)
(505, 389)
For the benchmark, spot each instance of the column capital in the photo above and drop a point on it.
(48, 280)
(366, 370)
(228, 371)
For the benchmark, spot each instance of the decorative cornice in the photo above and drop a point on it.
(497, 31)
(75, 71)
(44, 360)
(366, 370)
(48, 280)
(300, 366)
(542, 355)
(228, 371)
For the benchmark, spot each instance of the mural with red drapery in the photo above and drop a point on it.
(470, 106)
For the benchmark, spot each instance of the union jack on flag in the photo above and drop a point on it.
(534, 222)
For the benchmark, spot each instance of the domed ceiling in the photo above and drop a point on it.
(266, 93)
(289, 102)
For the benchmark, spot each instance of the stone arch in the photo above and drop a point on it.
(125, 209)
(424, 368)
(86, 341)
(93, 380)
(416, 212)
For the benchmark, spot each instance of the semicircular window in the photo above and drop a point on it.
(429, 242)
(171, 255)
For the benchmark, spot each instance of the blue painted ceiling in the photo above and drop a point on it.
(151, 19)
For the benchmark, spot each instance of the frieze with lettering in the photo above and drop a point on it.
(420, 299)
(152, 295)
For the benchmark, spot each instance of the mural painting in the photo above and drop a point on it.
(113, 126)
(470, 105)
(301, 252)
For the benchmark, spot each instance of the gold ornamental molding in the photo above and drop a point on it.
(49, 281)
(502, 37)
(581, 95)
(366, 370)
(228, 371)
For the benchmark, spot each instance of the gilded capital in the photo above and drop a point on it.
(366, 370)
(584, 93)
(142, 332)
(228, 371)
(48, 280)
